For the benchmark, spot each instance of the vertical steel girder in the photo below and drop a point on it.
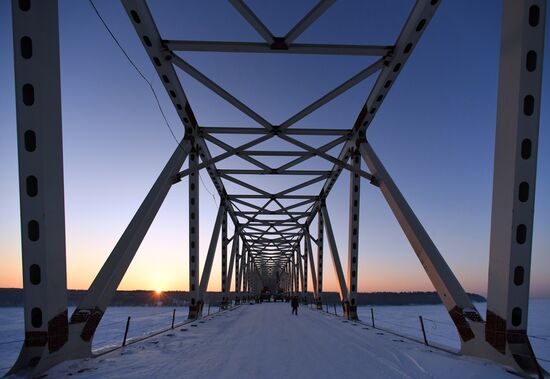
(305, 272)
(309, 252)
(243, 270)
(249, 273)
(237, 265)
(41, 190)
(224, 259)
(335, 257)
(207, 269)
(290, 276)
(294, 275)
(194, 235)
(462, 311)
(234, 253)
(353, 237)
(290, 279)
(518, 115)
(320, 241)
(300, 271)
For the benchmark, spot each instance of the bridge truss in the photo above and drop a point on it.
(272, 244)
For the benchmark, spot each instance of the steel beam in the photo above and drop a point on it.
(91, 308)
(300, 271)
(518, 115)
(295, 48)
(293, 276)
(417, 22)
(297, 131)
(328, 97)
(147, 32)
(41, 189)
(335, 257)
(242, 155)
(253, 20)
(322, 154)
(463, 313)
(273, 172)
(225, 242)
(205, 278)
(211, 161)
(247, 274)
(194, 235)
(353, 236)
(210, 84)
(242, 270)
(320, 239)
(234, 252)
(238, 273)
(307, 20)
(305, 273)
(309, 252)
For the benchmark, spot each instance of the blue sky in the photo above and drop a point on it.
(434, 133)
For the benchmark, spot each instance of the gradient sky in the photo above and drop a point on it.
(435, 134)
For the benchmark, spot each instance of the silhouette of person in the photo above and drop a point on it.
(294, 304)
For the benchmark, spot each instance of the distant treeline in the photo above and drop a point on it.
(13, 297)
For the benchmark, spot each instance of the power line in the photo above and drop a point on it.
(207, 190)
(135, 68)
(150, 85)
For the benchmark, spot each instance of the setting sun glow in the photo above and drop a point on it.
(158, 291)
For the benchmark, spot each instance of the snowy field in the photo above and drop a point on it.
(440, 330)
(401, 319)
(144, 320)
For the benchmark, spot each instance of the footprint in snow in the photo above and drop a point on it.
(86, 369)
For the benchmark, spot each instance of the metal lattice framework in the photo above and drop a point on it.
(272, 245)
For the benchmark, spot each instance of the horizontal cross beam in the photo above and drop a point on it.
(296, 48)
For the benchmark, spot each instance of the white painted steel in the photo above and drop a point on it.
(515, 168)
(41, 189)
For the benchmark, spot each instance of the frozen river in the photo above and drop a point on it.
(401, 319)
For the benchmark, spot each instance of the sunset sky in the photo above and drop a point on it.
(435, 134)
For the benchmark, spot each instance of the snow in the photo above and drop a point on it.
(401, 319)
(266, 341)
(144, 320)
(441, 331)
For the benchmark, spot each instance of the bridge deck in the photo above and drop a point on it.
(266, 341)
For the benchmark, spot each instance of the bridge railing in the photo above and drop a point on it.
(426, 328)
(142, 322)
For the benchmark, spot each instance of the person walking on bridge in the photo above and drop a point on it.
(294, 304)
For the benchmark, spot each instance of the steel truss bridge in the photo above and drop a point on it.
(272, 245)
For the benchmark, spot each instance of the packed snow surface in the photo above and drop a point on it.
(266, 341)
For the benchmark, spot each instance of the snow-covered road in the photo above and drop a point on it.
(266, 341)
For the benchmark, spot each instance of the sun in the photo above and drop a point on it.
(158, 291)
